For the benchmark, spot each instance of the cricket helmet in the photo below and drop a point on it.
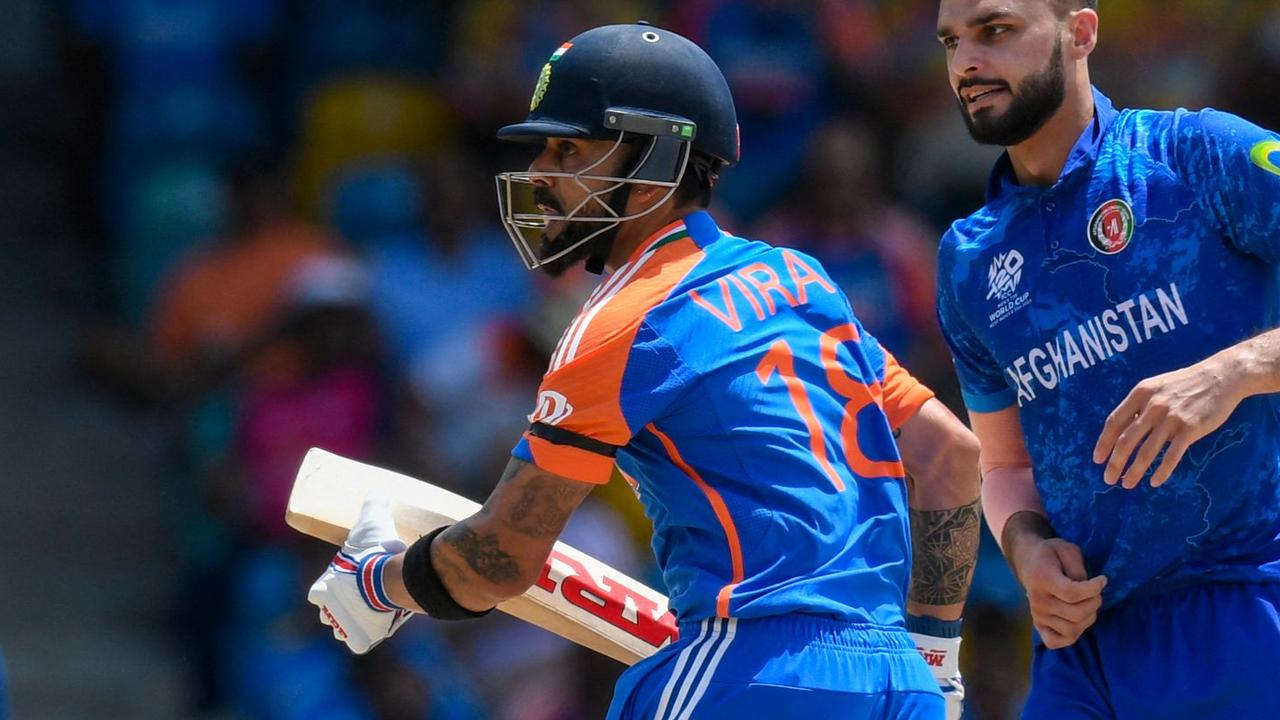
(639, 86)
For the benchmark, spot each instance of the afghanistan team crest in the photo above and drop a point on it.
(1111, 227)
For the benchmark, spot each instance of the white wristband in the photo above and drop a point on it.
(942, 655)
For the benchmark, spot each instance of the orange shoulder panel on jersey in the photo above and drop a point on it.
(580, 396)
(903, 394)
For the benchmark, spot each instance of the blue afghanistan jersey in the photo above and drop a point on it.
(1156, 248)
(731, 384)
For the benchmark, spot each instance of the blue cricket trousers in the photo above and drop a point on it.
(789, 666)
(1206, 652)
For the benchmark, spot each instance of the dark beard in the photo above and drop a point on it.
(1036, 100)
(574, 232)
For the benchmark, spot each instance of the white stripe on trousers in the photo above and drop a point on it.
(731, 629)
(714, 631)
(680, 662)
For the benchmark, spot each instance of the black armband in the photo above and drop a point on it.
(425, 586)
(560, 436)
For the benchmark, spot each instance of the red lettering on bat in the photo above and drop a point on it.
(607, 600)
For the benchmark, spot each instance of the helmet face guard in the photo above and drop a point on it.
(662, 163)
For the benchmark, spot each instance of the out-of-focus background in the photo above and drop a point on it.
(234, 229)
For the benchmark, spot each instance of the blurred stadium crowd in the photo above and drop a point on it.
(290, 209)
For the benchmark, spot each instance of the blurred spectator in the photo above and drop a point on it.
(366, 118)
(937, 168)
(331, 397)
(214, 299)
(875, 250)
(221, 296)
(213, 329)
(771, 54)
(447, 295)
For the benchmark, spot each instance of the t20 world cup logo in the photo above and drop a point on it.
(1004, 275)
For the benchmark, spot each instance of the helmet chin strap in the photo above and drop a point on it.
(618, 203)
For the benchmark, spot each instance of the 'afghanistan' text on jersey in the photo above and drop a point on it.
(1156, 248)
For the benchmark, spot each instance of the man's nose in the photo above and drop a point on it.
(541, 164)
(966, 61)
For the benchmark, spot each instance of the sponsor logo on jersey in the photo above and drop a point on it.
(1111, 227)
(552, 409)
(1100, 338)
(1266, 155)
(1002, 285)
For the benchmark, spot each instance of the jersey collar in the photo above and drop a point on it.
(1004, 182)
(697, 225)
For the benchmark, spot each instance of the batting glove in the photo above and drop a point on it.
(939, 644)
(350, 593)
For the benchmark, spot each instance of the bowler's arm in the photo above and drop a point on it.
(1063, 599)
(498, 553)
(1163, 416)
(1009, 496)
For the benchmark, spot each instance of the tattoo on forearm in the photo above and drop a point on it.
(482, 554)
(541, 508)
(944, 546)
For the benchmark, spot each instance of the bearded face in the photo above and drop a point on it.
(569, 234)
(1029, 107)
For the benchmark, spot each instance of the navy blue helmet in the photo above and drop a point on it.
(645, 69)
(635, 84)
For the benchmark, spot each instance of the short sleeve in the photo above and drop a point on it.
(903, 393)
(593, 400)
(1235, 165)
(981, 381)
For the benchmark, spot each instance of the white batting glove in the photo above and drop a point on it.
(350, 593)
(939, 645)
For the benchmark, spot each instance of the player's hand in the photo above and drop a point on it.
(1064, 601)
(942, 655)
(1168, 412)
(349, 594)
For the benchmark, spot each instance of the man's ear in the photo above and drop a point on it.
(1083, 26)
(645, 196)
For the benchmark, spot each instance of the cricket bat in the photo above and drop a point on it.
(576, 596)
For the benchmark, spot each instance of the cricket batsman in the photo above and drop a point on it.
(730, 382)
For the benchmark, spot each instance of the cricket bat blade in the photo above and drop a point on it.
(576, 596)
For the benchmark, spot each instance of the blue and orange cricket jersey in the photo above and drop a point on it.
(731, 384)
